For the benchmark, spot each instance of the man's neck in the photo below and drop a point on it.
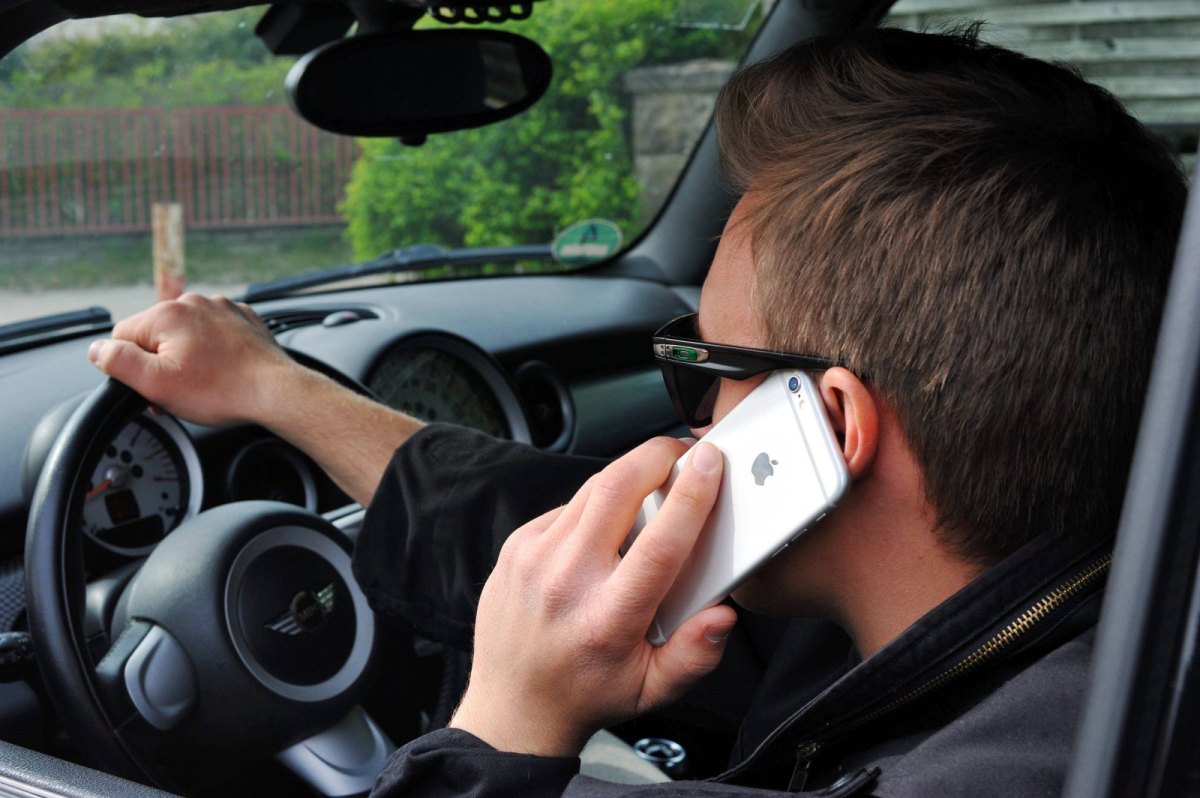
(884, 565)
(876, 564)
(889, 589)
(873, 574)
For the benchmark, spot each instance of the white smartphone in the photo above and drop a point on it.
(783, 472)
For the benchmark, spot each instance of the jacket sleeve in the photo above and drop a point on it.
(453, 763)
(445, 505)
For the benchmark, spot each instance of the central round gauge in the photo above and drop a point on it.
(142, 487)
(434, 386)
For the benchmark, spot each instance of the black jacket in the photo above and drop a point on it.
(979, 697)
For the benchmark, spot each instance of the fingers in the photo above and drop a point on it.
(649, 568)
(147, 328)
(139, 328)
(692, 652)
(124, 361)
(557, 651)
(604, 512)
(203, 358)
(134, 355)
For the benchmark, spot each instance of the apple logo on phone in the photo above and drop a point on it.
(763, 467)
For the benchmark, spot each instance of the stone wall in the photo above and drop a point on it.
(671, 106)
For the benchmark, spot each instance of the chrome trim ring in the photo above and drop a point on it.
(336, 556)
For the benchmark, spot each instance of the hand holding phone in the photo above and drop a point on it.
(783, 472)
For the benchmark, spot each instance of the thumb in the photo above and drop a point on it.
(122, 360)
(694, 650)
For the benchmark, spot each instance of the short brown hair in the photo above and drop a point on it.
(987, 238)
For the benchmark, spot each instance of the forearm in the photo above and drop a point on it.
(351, 437)
(213, 362)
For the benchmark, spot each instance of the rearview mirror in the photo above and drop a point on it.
(408, 84)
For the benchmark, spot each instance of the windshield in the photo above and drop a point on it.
(130, 147)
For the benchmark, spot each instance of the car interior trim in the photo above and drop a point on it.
(30, 774)
(348, 520)
(549, 408)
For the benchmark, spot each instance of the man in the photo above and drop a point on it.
(984, 241)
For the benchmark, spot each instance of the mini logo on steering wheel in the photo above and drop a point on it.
(307, 612)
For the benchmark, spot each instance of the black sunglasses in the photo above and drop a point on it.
(692, 368)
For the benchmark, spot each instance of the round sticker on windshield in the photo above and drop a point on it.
(587, 242)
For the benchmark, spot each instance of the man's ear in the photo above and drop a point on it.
(854, 412)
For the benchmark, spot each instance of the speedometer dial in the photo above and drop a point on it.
(434, 386)
(438, 377)
(146, 483)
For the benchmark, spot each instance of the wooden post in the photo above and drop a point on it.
(166, 219)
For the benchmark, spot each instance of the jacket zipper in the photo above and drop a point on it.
(807, 751)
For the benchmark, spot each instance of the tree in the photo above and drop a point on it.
(205, 60)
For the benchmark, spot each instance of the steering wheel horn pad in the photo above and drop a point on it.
(296, 617)
(230, 586)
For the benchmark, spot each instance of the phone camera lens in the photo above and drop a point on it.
(794, 384)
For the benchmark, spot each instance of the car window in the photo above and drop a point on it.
(102, 121)
(1144, 53)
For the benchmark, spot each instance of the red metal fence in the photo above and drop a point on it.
(93, 170)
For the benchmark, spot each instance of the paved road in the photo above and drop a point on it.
(121, 301)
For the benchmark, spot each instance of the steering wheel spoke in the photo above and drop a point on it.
(342, 760)
(148, 669)
(100, 608)
(110, 672)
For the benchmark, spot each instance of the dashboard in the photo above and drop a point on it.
(562, 363)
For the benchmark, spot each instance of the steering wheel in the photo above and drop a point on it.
(242, 636)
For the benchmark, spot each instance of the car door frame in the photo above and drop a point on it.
(1140, 730)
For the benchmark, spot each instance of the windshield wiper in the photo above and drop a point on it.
(56, 327)
(416, 258)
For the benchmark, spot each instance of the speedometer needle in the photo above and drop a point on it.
(96, 491)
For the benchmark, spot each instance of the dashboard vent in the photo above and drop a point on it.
(548, 406)
(280, 321)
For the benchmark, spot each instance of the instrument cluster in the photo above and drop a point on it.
(148, 481)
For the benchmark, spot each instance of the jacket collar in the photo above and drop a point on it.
(923, 658)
